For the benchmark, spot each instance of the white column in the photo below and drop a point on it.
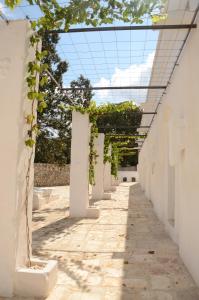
(107, 174)
(79, 170)
(98, 188)
(14, 154)
(108, 177)
(14, 161)
(115, 181)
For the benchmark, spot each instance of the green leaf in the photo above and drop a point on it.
(41, 106)
(31, 95)
(43, 81)
(158, 18)
(30, 119)
(33, 25)
(12, 3)
(30, 143)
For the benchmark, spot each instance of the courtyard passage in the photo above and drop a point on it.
(124, 255)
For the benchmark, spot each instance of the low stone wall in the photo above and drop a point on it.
(132, 168)
(51, 175)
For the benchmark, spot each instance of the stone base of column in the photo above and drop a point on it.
(111, 189)
(107, 196)
(116, 183)
(91, 213)
(93, 198)
(37, 281)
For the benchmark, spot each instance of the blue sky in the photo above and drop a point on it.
(107, 58)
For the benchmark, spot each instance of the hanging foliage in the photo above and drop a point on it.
(56, 16)
(114, 160)
(95, 113)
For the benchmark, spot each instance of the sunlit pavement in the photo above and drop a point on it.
(125, 254)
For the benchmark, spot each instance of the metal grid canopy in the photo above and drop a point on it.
(121, 59)
(186, 12)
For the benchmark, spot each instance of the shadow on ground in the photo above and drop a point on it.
(124, 255)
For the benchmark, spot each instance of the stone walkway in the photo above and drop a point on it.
(124, 255)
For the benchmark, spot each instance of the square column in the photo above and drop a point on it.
(115, 181)
(98, 188)
(107, 173)
(15, 160)
(107, 176)
(79, 170)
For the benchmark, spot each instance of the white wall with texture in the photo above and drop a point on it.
(169, 160)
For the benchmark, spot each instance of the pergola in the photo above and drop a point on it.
(171, 42)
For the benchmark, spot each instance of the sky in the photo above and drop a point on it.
(114, 58)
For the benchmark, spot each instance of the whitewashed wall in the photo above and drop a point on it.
(14, 155)
(169, 160)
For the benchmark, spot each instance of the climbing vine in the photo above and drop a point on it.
(56, 16)
(107, 143)
(92, 112)
(115, 141)
(114, 160)
(34, 69)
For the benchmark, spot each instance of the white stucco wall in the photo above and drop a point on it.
(79, 170)
(14, 155)
(98, 187)
(169, 160)
(107, 174)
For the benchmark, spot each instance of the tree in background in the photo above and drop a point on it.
(53, 142)
(122, 122)
(81, 97)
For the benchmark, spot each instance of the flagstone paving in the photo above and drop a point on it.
(124, 255)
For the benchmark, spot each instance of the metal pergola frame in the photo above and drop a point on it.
(131, 28)
(190, 26)
(134, 87)
(126, 134)
(122, 28)
(174, 66)
(121, 127)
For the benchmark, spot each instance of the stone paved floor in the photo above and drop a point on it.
(124, 255)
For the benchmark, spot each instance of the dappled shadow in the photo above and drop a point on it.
(125, 254)
(74, 269)
(52, 210)
(53, 231)
(38, 218)
(47, 213)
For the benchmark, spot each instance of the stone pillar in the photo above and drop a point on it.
(115, 181)
(98, 188)
(79, 170)
(107, 174)
(14, 161)
(108, 177)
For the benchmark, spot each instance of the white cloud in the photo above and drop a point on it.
(135, 74)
